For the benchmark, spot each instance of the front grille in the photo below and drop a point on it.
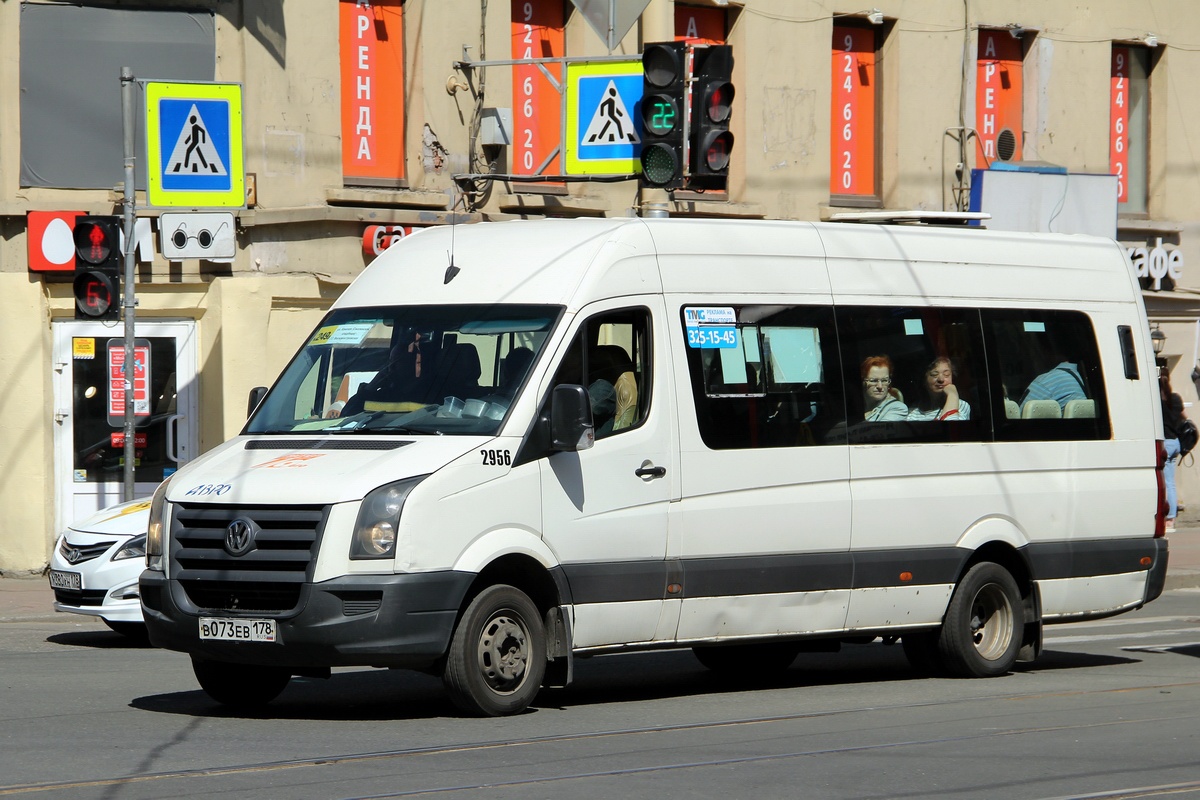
(266, 578)
(85, 552)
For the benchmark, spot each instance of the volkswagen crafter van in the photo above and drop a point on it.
(511, 445)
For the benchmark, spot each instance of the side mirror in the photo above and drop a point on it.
(570, 418)
(256, 396)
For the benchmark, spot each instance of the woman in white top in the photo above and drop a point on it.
(880, 400)
(943, 402)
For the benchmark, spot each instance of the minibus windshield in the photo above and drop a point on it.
(408, 370)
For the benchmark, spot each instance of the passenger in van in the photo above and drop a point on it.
(941, 401)
(601, 393)
(1062, 384)
(880, 401)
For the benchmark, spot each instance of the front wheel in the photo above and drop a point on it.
(981, 635)
(242, 686)
(497, 656)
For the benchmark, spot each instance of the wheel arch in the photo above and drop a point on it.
(1002, 542)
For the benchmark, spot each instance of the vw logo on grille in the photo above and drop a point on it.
(239, 536)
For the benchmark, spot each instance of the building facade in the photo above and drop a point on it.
(361, 121)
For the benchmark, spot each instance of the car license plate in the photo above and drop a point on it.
(65, 580)
(238, 630)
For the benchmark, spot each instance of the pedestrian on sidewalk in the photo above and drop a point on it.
(1172, 411)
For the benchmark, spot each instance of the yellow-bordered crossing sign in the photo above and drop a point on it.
(194, 145)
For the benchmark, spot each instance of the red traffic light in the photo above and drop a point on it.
(718, 101)
(95, 241)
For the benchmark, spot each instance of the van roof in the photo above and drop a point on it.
(570, 262)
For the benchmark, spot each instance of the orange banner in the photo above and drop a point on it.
(852, 128)
(372, 62)
(1118, 141)
(699, 25)
(537, 32)
(998, 87)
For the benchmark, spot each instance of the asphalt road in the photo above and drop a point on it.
(1110, 710)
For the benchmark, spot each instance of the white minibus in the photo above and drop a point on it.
(511, 445)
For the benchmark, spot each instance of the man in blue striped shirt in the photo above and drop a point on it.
(1062, 383)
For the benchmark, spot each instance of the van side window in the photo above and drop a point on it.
(914, 374)
(764, 376)
(611, 357)
(1048, 378)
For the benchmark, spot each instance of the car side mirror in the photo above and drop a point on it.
(571, 418)
(256, 396)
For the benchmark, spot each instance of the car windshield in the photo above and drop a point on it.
(407, 370)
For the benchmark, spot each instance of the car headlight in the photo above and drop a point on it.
(134, 548)
(155, 532)
(379, 519)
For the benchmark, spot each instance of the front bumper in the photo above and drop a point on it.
(368, 620)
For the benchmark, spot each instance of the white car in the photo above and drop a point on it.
(96, 563)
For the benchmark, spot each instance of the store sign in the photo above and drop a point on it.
(1155, 263)
(51, 240)
(377, 238)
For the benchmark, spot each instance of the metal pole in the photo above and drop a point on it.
(128, 121)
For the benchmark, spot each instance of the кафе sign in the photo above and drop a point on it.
(1152, 263)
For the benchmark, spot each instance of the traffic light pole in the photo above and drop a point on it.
(128, 123)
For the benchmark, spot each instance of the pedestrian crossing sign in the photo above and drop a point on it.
(194, 144)
(604, 124)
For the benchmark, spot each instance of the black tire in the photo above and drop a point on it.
(133, 631)
(748, 660)
(981, 634)
(921, 649)
(242, 686)
(497, 657)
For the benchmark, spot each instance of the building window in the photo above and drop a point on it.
(854, 115)
(998, 87)
(537, 32)
(1129, 126)
(372, 61)
(70, 98)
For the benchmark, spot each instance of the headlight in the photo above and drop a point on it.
(134, 548)
(379, 519)
(155, 532)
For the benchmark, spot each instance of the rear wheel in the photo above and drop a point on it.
(748, 659)
(497, 655)
(240, 685)
(981, 635)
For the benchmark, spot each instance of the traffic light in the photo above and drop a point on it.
(664, 114)
(97, 268)
(712, 102)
